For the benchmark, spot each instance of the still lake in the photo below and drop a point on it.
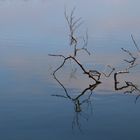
(32, 29)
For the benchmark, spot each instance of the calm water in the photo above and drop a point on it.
(29, 31)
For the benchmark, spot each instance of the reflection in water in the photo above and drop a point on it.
(129, 86)
(28, 33)
(79, 101)
(94, 74)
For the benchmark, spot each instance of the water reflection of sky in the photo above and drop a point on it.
(29, 30)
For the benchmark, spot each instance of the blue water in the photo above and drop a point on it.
(41, 116)
(29, 31)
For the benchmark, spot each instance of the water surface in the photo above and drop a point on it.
(29, 31)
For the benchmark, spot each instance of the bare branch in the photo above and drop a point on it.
(109, 74)
(95, 76)
(127, 85)
(57, 55)
(90, 88)
(132, 86)
(116, 82)
(131, 55)
(89, 73)
(85, 43)
(83, 49)
(85, 40)
(135, 44)
(73, 24)
(62, 96)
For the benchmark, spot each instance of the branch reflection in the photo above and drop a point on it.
(80, 101)
(95, 75)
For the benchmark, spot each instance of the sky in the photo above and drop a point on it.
(31, 29)
(40, 17)
(42, 22)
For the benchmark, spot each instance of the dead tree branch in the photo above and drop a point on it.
(109, 74)
(73, 24)
(133, 59)
(86, 72)
(117, 82)
(85, 44)
(135, 44)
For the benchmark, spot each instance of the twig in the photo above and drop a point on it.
(131, 62)
(90, 88)
(116, 82)
(57, 55)
(109, 74)
(135, 44)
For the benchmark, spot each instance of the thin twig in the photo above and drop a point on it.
(135, 44)
(131, 62)
(109, 74)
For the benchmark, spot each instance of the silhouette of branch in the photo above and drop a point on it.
(86, 72)
(95, 73)
(126, 71)
(62, 96)
(109, 74)
(129, 87)
(117, 82)
(128, 84)
(57, 55)
(131, 62)
(90, 88)
(85, 43)
(73, 24)
(76, 121)
(78, 105)
(135, 44)
(133, 88)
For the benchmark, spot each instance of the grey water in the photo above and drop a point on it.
(29, 31)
